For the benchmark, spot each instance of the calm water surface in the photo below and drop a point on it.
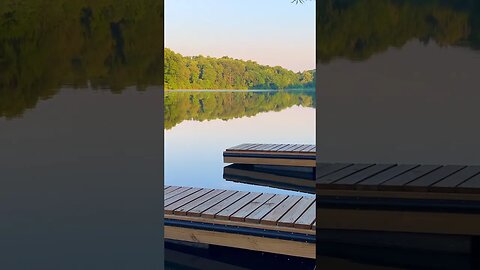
(208, 122)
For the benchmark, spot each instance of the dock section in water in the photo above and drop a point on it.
(302, 155)
(275, 223)
(429, 199)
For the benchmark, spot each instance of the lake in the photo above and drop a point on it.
(81, 134)
(200, 125)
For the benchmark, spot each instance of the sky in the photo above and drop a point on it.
(270, 32)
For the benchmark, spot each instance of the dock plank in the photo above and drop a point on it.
(175, 192)
(182, 210)
(237, 205)
(372, 183)
(424, 182)
(211, 212)
(198, 210)
(330, 168)
(180, 196)
(456, 179)
(354, 178)
(185, 200)
(295, 212)
(471, 185)
(241, 214)
(402, 179)
(278, 212)
(265, 208)
(307, 218)
(328, 179)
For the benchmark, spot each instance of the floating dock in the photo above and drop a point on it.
(274, 223)
(426, 199)
(301, 155)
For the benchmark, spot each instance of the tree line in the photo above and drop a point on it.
(203, 72)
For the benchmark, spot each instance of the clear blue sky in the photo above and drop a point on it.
(270, 32)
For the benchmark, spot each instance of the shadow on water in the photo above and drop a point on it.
(179, 256)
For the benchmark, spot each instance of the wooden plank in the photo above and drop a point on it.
(456, 179)
(307, 218)
(241, 214)
(239, 147)
(170, 189)
(259, 147)
(302, 147)
(295, 212)
(328, 179)
(176, 192)
(471, 185)
(180, 196)
(372, 183)
(282, 149)
(251, 146)
(198, 210)
(351, 180)
(400, 180)
(263, 244)
(182, 210)
(277, 147)
(210, 213)
(187, 199)
(330, 168)
(278, 212)
(298, 147)
(265, 208)
(424, 182)
(237, 205)
(311, 148)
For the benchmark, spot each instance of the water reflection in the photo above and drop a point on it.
(300, 179)
(204, 124)
(98, 45)
(398, 81)
(80, 102)
(210, 105)
(359, 29)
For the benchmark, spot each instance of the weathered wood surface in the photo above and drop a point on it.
(252, 209)
(302, 155)
(240, 211)
(392, 178)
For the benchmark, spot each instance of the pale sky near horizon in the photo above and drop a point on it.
(270, 32)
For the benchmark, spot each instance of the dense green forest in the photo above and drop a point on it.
(200, 72)
(200, 105)
(358, 29)
(102, 44)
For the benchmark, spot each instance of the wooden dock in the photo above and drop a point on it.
(399, 198)
(302, 181)
(302, 155)
(263, 222)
